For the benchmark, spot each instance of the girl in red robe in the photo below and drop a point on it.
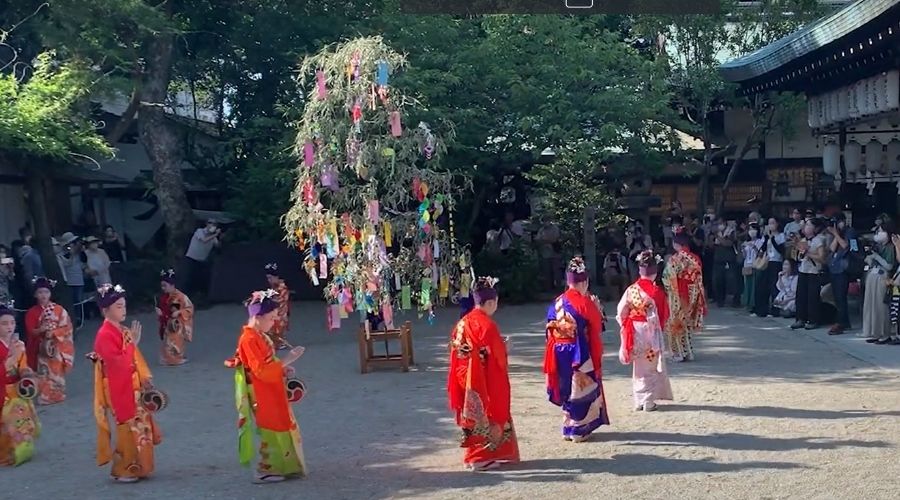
(51, 349)
(478, 384)
(120, 375)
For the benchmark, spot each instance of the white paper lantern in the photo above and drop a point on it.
(811, 118)
(843, 102)
(893, 156)
(852, 157)
(892, 100)
(879, 93)
(831, 159)
(873, 156)
(855, 99)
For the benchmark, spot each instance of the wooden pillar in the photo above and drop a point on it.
(590, 243)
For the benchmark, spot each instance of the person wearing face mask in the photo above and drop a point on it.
(195, 260)
(812, 252)
(751, 249)
(842, 244)
(880, 260)
(723, 260)
(767, 267)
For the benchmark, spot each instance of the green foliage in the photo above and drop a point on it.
(516, 269)
(42, 117)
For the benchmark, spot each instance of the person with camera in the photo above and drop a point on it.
(72, 263)
(880, 261)
(812, 251)
(196, 259)
(843, 242)
(768, 265)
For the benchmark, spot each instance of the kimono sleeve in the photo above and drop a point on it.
(261, 361)
(498, 404)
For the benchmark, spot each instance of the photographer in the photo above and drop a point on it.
(724, 260)
(812, 252)
(197, 256)
(880, 260)
(71, 263)
(614, 271)
(842, 244)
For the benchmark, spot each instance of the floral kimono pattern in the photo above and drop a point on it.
(640, 313)
(572, 363)
(683, 280)
(120, 372)
(19, 425)
(263, 407)
(478, 390)
(52, 352)
(176, 327)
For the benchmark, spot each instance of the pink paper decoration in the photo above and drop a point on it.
(321, 89)
(323, 266)
(329, 178)
(374, 215)
(309, 152)
(394, 121)
(334, 317)
(387, 312)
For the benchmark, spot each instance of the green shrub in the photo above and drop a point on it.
(517, 270)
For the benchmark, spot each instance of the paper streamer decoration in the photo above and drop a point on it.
(374, 215)
(425, 298)
(329, 178)
(444, 287)
(397, 281)
(406, 298)
(388, 235)
(309, 153)
(323, 266)
(381, 77)
(437, 250)
(334, 317)
(387, 313)
(394, 121)
(321, 89)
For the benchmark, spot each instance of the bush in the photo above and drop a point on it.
(517, 269)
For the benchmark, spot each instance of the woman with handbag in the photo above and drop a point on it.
(767, 265)
(880, 261)
(812, 252)
(751, 249)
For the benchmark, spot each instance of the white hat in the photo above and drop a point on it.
(68, 238)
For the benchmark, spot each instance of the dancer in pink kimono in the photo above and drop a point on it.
(641, 314)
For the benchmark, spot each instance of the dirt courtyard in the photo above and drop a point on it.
(762, 413)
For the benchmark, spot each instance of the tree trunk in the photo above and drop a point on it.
(37, 183)
(163, 147)
(732, 172)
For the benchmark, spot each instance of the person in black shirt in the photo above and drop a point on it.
(113, 245)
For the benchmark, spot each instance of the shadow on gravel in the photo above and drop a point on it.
(738, 442)
(568, 469)
(777, 412)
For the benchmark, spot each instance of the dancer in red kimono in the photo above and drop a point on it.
(120, 375)
(641, 314)
(283, 313)
(51, 350)
(573, 356)
(683, 279)
(478, 384)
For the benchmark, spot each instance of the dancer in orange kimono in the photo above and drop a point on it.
(176, 321)
(51, 351)
(19, 425)
(478, 384)
(683, 280)
(283, 313)
(261, 396)
(120, 375)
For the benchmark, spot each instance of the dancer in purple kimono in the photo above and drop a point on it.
(573, 354)
(641, 313)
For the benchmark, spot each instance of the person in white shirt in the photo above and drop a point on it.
(813, 254)
(195, 260)
(773, 248)
(786, 299)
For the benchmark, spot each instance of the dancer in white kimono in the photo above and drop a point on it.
(641, 313)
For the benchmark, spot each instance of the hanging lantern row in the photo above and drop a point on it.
(878, 158)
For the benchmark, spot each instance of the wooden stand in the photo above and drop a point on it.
(366, 347)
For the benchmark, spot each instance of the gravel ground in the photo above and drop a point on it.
(762, 413)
